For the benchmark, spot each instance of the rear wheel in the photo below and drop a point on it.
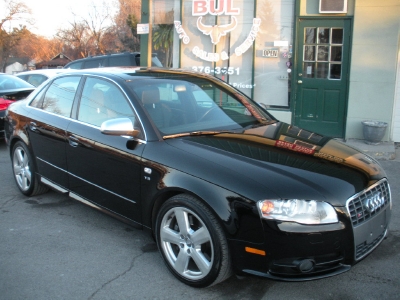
(192, 242)
(24, 171)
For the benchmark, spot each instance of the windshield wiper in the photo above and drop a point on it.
(194, 133)
(264, 123)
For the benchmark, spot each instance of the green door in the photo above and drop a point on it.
(322, 76)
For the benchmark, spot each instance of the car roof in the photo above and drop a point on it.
(124, 72)
(42, 71)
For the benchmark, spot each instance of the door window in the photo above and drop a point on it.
(322, 56)
(102, 100)
(60, 96)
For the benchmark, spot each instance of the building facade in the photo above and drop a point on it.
(323, 65)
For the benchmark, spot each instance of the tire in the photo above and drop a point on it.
(24, 171)
(192, 242)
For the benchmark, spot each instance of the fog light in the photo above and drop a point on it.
(305, 265)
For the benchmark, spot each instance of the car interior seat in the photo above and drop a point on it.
(159, 112)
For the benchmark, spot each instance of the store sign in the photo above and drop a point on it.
(143, 28)
(270, 53)
(201, 8)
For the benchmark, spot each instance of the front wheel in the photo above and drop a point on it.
(192, 242)
(24, 171)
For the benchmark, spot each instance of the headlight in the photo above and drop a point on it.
(299, 211)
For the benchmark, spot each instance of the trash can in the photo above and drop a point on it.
(374, 131)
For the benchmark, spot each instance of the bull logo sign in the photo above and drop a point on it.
(201, 8)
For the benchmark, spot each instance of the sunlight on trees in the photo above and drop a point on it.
(110, 27)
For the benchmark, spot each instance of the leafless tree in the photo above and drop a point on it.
(12, 28)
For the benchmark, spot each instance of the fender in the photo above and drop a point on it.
(233, 209)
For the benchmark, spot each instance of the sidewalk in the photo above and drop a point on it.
(383, 151)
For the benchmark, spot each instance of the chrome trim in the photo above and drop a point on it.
(69, 173)
(53, 185)
(370, 227)
(382, 181)
(80, 199)
(82, 75)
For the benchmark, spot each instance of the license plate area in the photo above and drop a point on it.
(369, 234)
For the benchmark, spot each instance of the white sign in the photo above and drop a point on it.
(281, 43)
(143, 28)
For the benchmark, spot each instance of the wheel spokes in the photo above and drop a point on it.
(22, 172)
(201, 261)
(182, 219)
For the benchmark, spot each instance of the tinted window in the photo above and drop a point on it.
(120, 60)
(60, 96)
(94, 63)
(75, 65)
(101, 101)
(179, 105)
(36, 79)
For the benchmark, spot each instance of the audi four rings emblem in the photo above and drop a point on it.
(374, 202)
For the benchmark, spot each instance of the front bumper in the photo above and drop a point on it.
(295, 252)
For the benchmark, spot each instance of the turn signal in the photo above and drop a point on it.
(255, 251)
(267, 207)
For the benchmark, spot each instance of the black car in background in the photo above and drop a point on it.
(222, 185)
(11, 89)
(125, 59)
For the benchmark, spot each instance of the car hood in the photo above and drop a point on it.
(278, 161)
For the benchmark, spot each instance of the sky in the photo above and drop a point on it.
(53, 14)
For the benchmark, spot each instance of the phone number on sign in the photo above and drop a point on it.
(217, 70)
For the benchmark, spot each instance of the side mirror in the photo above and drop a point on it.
(119, 126)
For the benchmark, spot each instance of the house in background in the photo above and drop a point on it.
(57, 62)
(15, 65)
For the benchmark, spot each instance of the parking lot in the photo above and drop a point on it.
(52, 247)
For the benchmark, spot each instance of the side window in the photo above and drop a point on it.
(76, 65)
(60, 95)
(37, 79)
(103, 100)
(120, 60)
(94, 63)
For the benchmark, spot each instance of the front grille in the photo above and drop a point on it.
(357, 207)
(364, 248)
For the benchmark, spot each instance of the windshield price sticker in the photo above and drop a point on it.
(294, 147)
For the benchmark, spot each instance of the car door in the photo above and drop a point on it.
(49, 119)
(104, 169)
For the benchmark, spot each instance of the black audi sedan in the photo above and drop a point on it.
(221, 184)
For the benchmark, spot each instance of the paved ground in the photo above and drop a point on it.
(52, 247)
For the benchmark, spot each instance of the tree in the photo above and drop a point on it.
(163, 38)
(89, 35)
(10, 35)
(125, 23)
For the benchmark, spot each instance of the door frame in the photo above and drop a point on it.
(295, 71)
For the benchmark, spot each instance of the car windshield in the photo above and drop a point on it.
(10, 82)
(193, 105)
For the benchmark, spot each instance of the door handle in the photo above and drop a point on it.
(33, 127)
(299, 81)
(73, 141)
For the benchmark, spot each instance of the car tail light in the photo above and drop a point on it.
(5, 103)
